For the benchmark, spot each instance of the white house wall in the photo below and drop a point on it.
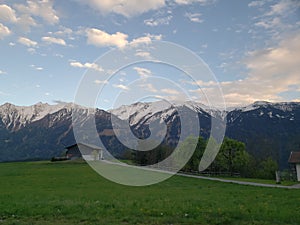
(89, 157)
(298, 171)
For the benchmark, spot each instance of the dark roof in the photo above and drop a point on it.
(84, 144)
(294, 157)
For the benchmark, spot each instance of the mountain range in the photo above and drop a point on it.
(42, 131)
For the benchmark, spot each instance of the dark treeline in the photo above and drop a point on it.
(232, 159)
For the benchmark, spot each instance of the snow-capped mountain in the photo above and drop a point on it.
(283, 110)
(16, 117)
(268, 129)
(148, 111)
(42, 130)
(284, 106)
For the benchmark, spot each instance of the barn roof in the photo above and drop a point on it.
(294, 157)
(84, 144)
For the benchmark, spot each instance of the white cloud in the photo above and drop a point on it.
(25, 22)
(170, 91)
(282, 7)
(202, 83)
(149, 87)
(194, 17)
(100, 81)
(64, 31)
(143, 72)
(127, 8)
(102, 39)
(159, 21)
(272, 71)
(121, 86)
(141, 40)
(281, 60)
(4, 31)
(53, 40)
(87, 65)
(27, 42)
(188, 2)
(58, 55)
(31, 50)
(7, 14)
(155, 37)
(145, 40)
(256, 3)
(143, 54)
(40, 8)
(269, 23)
(2, 72)
(36, 67)
(275, 17)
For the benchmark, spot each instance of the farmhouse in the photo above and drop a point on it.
(294, 160)
(86, 151)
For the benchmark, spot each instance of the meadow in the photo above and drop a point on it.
(61, 193)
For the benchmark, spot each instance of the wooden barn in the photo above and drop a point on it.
(86, 151)
(294, 160)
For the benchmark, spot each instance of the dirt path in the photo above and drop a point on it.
(296, 186)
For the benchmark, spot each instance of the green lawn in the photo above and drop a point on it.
(72, 193)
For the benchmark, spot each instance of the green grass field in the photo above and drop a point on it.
(72, 193)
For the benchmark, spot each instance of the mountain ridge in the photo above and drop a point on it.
(42, 130)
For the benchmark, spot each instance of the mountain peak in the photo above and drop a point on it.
(261, 103)
(15, 117)
(284, 106)
(6, 105)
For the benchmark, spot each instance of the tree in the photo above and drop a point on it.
(232, 157)
(267, 169)
(152, 156)
(188, 144)
(128, 154)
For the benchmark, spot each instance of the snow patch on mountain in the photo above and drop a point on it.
(14, 117)
(283, 106)
(143, 111)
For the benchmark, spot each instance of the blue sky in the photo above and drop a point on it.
(252, 47)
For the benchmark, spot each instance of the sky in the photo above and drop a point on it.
(48, 47)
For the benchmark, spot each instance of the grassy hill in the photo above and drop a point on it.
(72, 193)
